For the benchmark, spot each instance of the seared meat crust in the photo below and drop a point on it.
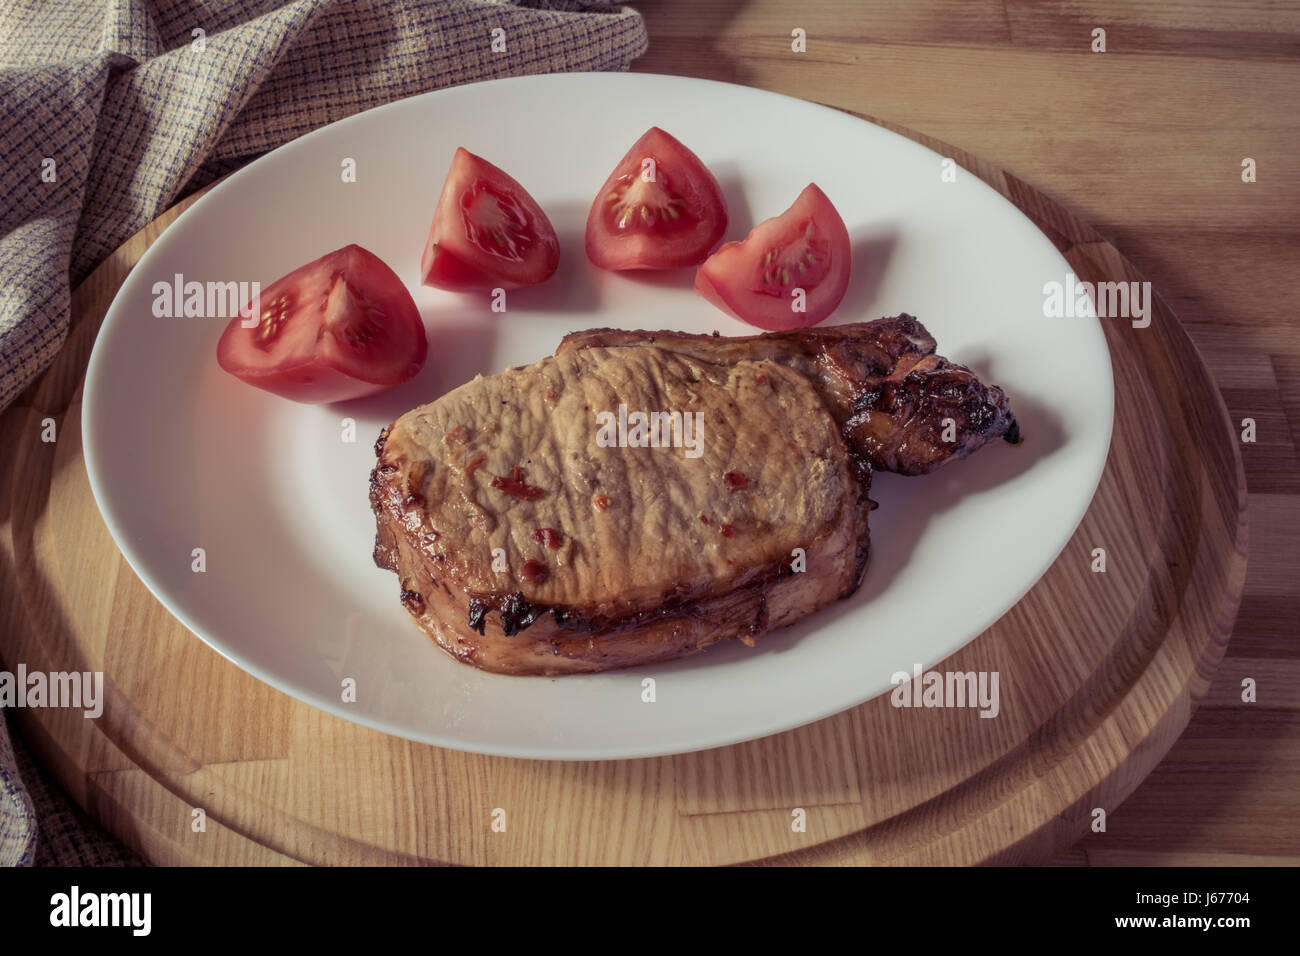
(880, 380)
(524, 545)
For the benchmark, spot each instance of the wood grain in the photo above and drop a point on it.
(1100, 675)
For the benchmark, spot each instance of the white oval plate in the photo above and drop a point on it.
(183, 456)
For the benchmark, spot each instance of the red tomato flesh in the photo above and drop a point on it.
(757, 280)
(487, 232)
(340, 327)
(660, 208)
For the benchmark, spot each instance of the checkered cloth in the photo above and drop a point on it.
(111, 110)
(17, 816)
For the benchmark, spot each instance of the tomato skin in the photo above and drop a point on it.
(704, 286)
(348, 328)
(809, 235)
(455, 260)
(311, 385)
(698, 222)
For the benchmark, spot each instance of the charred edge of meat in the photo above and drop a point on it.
(1012, 435)
(954, 388)
(377, 476)
(379, 486)
(854, 361)
(945, 390)
(385, 553)
(860, 468)
(381, 440)
(862, 558)
(383, 556)
(516, 611)
(859, 464)
(959, 389)
(478, 608)
(903, 331)
(413, 601)
(572, 621)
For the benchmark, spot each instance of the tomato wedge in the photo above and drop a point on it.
(660, 208)
(340, 327)
(758, 280)
(487, 232)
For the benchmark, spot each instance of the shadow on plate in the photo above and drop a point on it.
(572, 288)
(872, 250)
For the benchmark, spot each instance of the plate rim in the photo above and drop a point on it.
(320, 701)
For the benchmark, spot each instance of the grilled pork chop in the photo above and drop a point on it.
(536, 528)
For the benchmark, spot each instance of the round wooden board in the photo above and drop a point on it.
(1099, 674)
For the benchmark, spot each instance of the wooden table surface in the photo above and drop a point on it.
(1146, 142)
